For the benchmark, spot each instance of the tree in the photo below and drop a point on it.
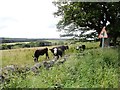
(89, 15)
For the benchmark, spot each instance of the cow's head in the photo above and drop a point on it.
(55, 51)
(67, 47)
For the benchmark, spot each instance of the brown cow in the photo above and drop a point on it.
(40, 52)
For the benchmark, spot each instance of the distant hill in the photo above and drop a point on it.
(11, 40)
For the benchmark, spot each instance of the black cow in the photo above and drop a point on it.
(66, 47)
(57, 52)
(63, 48)
(78, 47)
(40, 52)
(81, 47)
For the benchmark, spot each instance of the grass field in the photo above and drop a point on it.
(93, 68)
(21, 56)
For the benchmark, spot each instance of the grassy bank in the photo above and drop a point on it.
(93, 68)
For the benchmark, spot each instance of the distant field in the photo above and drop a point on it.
(15, 43)
(53, 41)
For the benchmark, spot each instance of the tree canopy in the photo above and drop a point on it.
(88, 16)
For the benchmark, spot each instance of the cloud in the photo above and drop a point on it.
(28, 19)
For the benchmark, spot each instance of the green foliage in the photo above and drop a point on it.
(86, 16)
(4, 46)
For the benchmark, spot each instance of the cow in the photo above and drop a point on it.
(66, 47)
(57, 52)
(63, 48)
(39, 52)
(81, 47)
(78, 48)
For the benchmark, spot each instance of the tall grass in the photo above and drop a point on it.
(93, 68)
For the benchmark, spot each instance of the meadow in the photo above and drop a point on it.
(93, 68)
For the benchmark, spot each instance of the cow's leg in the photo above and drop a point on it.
(47, 56)
(35, 59)
(58, 57)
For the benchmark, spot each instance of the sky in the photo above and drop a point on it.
(28, 19)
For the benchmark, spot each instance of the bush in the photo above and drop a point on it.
(4, 46)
